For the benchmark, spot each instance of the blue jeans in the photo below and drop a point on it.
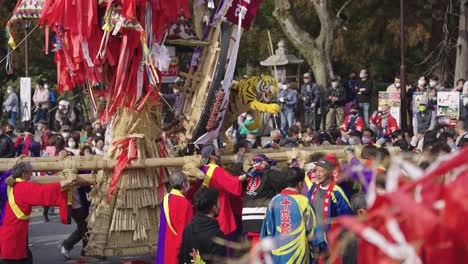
(41, 114)
(12, 119)
(364, 111)
(287, 120)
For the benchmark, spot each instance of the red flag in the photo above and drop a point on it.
(250, 7)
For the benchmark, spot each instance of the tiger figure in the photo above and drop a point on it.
(255, 93)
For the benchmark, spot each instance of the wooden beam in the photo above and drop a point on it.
(99, 163)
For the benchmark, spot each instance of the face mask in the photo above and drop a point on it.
(9, 91)
(432, 84)
(397, 85)
(365, 140)
(306, 80)
(422, 108)
(65, 135)
(354, 113)
(249, 118)
(175, 90)
(362, 75)
(421, 82)
(352, 141)
(251, 141)
(284, 87)
(10, 132)
(46, 86)
(276, 141)
(334, 84)
(308, 139)
(71, 144)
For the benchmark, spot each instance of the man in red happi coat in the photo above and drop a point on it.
(227, 185)
(176, 213)
(22, 195)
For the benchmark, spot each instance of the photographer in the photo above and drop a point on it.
(310, 95)
(287, 98)
(41, 102)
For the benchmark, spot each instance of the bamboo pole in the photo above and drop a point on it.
(99, 163)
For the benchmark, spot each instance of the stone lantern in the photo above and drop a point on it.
(287, 66)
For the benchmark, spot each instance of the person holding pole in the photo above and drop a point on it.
(17, 197)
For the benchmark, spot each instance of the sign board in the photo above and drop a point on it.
(448, 105)
(172, 73)
(393, 100)
(25, 99)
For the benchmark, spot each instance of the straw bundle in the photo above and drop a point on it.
(127, 224)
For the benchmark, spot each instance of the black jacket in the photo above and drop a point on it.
(198, 236)
(6, 147)
(338, 92)
(257, 196)
(364, 96)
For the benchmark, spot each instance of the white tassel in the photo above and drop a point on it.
(118, 26)
(85, 50)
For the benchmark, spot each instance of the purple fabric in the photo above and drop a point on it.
(162, 237)
(357, 171)
(3, 194)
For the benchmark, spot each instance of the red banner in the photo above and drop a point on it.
(248, 7)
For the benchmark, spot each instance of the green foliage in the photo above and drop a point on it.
(370, 36)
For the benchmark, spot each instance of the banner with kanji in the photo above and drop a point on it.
(247, 7)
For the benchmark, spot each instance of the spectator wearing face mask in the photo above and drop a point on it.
(64, 115)
(368, 137)
(65, 132)
(421, 85)
(423, 122)
(395, 86)
(384, 124)
(335, 98)
(275, 139)
(248, 121)
(364, 89)
(252, 138)
(99, 148)
(6, 146)
(41, 100)
(350, 92)
(288, 100)
(10, 132)
(310, 95)
(72, 147)
(11, 106)
(355, 138)
(352, 122)
(434, 83)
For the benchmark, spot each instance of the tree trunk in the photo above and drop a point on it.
(461, 65)
(440, 52)
(316, 52)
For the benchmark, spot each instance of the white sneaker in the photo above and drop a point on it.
(64, 252)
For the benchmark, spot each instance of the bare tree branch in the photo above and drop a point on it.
(342, 8)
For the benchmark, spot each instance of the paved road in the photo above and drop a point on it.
(45, 237)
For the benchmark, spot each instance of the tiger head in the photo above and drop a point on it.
(267, 88)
